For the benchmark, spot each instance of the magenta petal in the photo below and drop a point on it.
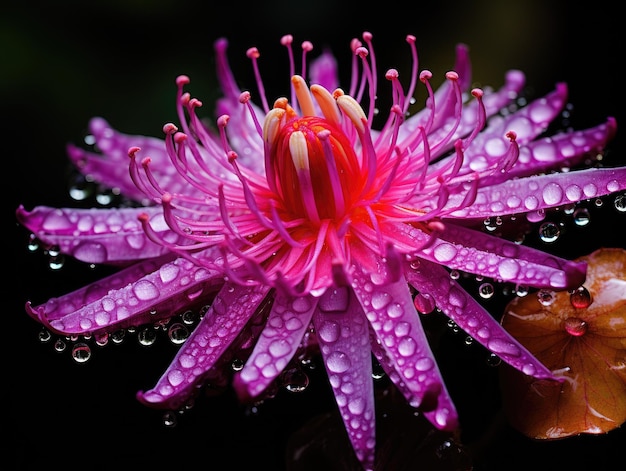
(95, 235)
(390, 311)
(140, 294)
(470, 316)
(476, 252)
(344, 343)
(522, 195)
(232, 308)
(287, 322)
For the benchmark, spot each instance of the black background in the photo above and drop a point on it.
(63, 62)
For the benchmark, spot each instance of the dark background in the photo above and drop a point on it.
(63, 62)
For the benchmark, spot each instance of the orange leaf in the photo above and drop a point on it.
(580, 335)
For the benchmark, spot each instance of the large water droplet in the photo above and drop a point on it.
(575, 326)
(178, 333)
(81, 352)
(338, 362)
(549, 232)
(580, 298)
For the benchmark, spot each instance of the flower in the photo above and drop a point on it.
(309, 227)
(582, 333)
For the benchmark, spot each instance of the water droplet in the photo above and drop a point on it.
(237, 364)
(454, 274)
(545, 297)
(101, 339)
(493, 360)
(549, 232)
(178, 333)
(580, 298)
(486, 290)
(81, 352)
(59, 345)
(581, 216)
(118, 336)
(188, 317)
(424, 303)
(620, 202)
(146, 336)
(33, 243)
(295, 380)
(338, 362)
(575, 326)
(44, 336)
(521, 290)
(170, 419)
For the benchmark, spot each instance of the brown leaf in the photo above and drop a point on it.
(581, 334)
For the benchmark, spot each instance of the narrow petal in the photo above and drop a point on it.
(287, 322)
(470, 316)
(521, 195)
(344, 343)
(476, 252)
(390, 311)
(229, 313)
(110, 235)
(140, 294)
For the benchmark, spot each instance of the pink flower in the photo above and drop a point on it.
(309, 227)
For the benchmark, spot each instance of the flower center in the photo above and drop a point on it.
(312, 165)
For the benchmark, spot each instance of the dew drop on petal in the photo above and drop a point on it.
(338, 362)
(501, 346)
(580, 298)
(508, 269)
(407, 346)
(329, 332)
(545, 297)
(552, 194)
(575, 326)
(445, 252)
(145, 290)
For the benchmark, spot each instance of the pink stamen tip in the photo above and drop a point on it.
(307, 46)
(132, 151)
(166, 198)
(184, 98)
(410, 38)
(195, 103)
(452, 75)
(392, 74)
(180, 137)
(355, 44)
(143, 217)
(396, 109)
(512, 135)
(182, 80)
(425, 75)
(244, 97)
(286, 39)
(146, 161)
(232, 156)
(361, 51)
(477, 93)
(253, 53)
(367, 36)
(170, 128)
(222, 121)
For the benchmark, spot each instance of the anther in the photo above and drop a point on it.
(253, 53)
